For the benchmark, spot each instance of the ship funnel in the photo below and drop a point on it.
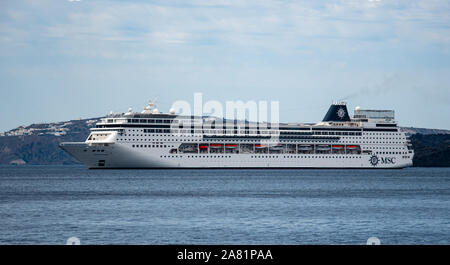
(337, 112)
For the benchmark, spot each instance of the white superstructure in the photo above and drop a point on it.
(149, 139)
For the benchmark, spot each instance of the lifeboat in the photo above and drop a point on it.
(216, 145)
(351, 146)
(276, 147)
(230, 145)
(203, 147)
(260, 146)
(323, 147)
(304, 147)
(337, 146)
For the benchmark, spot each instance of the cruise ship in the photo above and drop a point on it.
(149, 139)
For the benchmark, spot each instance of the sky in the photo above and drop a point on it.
(69, 59)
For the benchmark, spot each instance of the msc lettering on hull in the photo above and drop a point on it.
(374, 160)
(388, 160)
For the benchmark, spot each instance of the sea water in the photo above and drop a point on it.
(49, 204)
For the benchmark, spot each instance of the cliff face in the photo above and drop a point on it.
(38, 144)
(431, 150)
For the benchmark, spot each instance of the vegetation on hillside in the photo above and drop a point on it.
(431, 150)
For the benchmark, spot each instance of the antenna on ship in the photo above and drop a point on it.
(149, 108)
(130, 111)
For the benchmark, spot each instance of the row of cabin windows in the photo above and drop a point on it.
(243, 132)
(149, 146)
(150, 121)
(226, 156)
(296, 132)
(357, 138)
(254, 141)
(157, 130)
(269, 132)
(391, 153)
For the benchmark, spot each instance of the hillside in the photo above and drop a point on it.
(413, 130)
(37, 144)
(432, 150)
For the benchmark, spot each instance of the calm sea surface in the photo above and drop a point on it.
(49, 204)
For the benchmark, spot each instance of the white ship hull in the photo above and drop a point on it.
(124, 157)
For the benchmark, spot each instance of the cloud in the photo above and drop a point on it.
(275, 26)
